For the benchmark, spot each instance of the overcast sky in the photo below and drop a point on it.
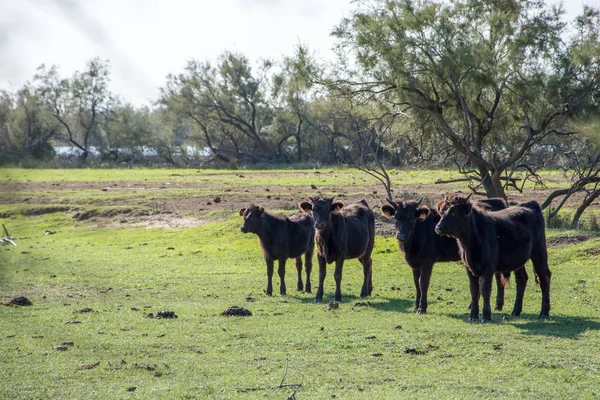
(147, 39)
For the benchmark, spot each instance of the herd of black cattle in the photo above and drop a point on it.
(491, 240)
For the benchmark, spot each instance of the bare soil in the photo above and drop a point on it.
(185, 204)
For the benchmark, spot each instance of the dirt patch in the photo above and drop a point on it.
(192, 200)
(110, 213)
(570, 239)
(165, 314)
(33, 211)
(164, 221)
(19, 301)
(384, 226)
(236, 311)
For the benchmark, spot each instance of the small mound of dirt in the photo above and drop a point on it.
(165, 314)
(570, 239)
(236, 311)
(108, 213)
(19, 301)
(333, 305)
(88, 366)
(44, 210)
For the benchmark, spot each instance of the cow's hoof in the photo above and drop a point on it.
(485, 320)
(318, 300)
(515, 314)
(421, 311)
(544, 316)
(498, 308)
(473, 319)
(300, 288)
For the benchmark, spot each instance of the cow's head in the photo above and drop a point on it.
(252, 218)
(321, 209)
(455, 211)
(406, 214)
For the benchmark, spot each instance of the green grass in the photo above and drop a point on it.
(354, 352)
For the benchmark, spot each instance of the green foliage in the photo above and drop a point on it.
(494, 80)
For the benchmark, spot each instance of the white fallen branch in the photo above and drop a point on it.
(7, 239)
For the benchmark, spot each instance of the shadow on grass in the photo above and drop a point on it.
(377, 303)
(559, 326)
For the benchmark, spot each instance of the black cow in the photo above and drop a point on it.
(422, 247)
(500, 241)
(342, 233)
(280, 238)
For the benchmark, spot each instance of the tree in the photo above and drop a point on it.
(25, 127)
(229, 104)
(494, 79)
(80, 104)
(128, 133)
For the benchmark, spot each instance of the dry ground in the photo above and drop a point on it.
(186, 202)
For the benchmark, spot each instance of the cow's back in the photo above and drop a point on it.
(518, 230)
(360, 228)
(300, 234)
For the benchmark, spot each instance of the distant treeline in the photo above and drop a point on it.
(495, 90)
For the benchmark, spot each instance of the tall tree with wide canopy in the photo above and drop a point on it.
(495, 79)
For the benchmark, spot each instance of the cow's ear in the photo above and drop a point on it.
(438, 205)
(306, 207)
(241, 212)
(422, 212)
(261, 210)
(388, 210)
(338, 205)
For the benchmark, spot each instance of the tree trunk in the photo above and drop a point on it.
(299, 148)
(492, 184)
(583, 206)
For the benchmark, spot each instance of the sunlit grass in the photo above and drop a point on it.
(367, 349)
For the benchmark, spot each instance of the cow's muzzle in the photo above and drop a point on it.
(244, 230)
(320, 225)
(439, 229)
(401, 237)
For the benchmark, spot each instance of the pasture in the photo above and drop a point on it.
(99, 250)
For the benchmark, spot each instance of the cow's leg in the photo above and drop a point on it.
(424, 279)
(281, 271)
(474, 287)
(322, 273)
(539, 258)
(486, 293)
(416, 275)
(337, 274)
(500, 286)
(298, 263)
(367, 281)
(521, 280)
(367, 256)
(270, 268)
(308, 257)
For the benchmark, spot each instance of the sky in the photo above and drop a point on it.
(145, 40)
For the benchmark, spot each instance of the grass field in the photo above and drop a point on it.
(116, 263)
